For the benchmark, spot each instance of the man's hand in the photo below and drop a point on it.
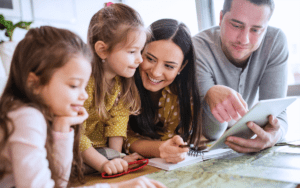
(266, 137)
(225, 103)
(171, 152)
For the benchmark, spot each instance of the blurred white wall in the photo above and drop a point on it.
(83, 11)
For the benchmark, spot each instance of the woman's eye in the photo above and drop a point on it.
(132, 52)
(150, 59)
(169, 66)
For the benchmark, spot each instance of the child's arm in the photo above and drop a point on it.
(94, 159)
(115, 143)
(97, 161)
(27, 149)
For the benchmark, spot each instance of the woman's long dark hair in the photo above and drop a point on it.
(184, 86)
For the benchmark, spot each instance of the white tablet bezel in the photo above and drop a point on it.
(258, 114)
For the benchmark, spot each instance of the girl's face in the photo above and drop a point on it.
(65, 93)
(124, 60)
(162, 60)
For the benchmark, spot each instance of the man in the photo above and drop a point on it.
(239, 62)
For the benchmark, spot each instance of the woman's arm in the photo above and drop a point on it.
(168, 150)
(147, 148)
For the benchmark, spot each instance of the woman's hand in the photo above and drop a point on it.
(132, 157)
(171, 152)
(63, 123)
(138, 183)
(115, 166)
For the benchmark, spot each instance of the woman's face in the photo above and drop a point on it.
(162, 60)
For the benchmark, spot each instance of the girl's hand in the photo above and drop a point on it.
(171, 152)
(63, 123)
(138, 183)
(115, 166)
(132, 157)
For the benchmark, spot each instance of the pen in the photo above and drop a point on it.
(187, 146)
(191, 146)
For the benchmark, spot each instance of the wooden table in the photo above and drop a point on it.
(216, 172)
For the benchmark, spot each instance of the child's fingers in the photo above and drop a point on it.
(137, 156)
(81, 117)
(124, 165)
(107, 168)
(119, 165)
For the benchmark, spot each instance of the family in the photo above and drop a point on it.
(70, 109)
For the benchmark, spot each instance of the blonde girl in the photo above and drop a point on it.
(117, 37)
(41, 109)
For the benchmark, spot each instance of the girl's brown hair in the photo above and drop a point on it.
(112, 25)
(42, 52)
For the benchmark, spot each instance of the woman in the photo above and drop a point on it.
(170, 99)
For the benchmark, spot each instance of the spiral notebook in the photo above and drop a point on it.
(189, 160)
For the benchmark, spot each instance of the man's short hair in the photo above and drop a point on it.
(270, 3)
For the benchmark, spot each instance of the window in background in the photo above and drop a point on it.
(152, 10)
(284, 17)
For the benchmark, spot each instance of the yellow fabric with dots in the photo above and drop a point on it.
(168, 114)
(95, 132)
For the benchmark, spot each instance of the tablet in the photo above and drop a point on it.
(258, 114)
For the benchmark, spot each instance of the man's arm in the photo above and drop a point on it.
(217, 100)
(273, 85)
(274, 80)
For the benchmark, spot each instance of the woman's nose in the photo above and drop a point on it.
(156, 70)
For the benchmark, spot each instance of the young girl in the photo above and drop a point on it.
(117, 36)
(41, 109)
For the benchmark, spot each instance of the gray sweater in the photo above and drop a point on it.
(265, 76)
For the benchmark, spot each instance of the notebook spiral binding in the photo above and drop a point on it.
(196, 151)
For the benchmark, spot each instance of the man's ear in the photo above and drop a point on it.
(221, 17)
(101, 49)
(33, 82)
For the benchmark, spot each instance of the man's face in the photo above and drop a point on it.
(242, 29)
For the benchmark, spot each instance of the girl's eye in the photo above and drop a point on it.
(73, 86)
(132, 52)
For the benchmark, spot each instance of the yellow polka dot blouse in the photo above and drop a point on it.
(168, 113)
(95, 132)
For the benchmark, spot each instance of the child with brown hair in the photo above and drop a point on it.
(41, 110)
(117, 36)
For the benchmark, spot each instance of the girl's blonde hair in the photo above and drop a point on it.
(112, 25)
(42, 52)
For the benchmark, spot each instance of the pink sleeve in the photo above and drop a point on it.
(28, 153)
